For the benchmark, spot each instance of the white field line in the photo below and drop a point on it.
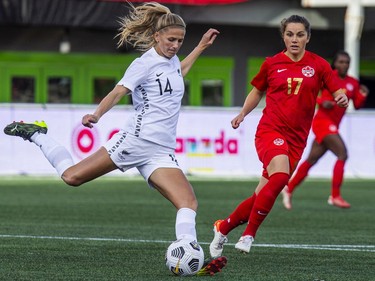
(351, 248)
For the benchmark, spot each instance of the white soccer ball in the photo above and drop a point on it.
(184, 257)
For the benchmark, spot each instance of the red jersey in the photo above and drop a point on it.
(350, 85)
(291, 92)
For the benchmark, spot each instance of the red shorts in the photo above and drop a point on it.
(271, 144)
(323, 127)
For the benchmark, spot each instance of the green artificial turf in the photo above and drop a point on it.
(119, 229)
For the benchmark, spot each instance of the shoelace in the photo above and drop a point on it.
(222, 240)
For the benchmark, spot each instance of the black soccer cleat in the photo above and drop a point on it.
(25, 130)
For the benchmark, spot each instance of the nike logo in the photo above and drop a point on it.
(262, 213)
(14, 129)
(176, 270)
(281, 70)
(157, 75)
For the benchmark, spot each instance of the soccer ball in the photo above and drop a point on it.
(184, 257)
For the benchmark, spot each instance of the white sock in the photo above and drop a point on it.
(185, 224)
(56, 154)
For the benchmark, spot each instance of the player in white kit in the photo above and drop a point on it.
(155, 81)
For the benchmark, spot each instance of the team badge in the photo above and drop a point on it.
(349, 87)
(308, 71)
(332, 128)
(278, 142)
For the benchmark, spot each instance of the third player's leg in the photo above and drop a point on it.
(336, 144)
(316, 152)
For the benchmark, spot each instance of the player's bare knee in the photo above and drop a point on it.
(312, 160)
(191, 204)
(194, 204)
(342, 156)
(71, 179)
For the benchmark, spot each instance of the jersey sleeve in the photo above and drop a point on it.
(330, 81)
(134, 75)
(260, 80)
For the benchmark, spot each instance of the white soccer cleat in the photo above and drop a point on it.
(217, 244)
(287, 198)
(244, 244)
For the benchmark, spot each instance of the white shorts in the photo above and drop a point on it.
(128, 151)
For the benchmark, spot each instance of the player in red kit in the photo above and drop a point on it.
(291, 81)
(325, 126)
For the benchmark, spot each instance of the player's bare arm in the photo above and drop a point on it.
(328, 104)
(364, 90)
(207, 40)
(106, 104)
(252, 100)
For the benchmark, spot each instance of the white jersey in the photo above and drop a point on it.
(157, 88)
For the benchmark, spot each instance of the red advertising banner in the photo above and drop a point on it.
(187, 2)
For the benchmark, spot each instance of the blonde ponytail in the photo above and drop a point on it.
(138, 27)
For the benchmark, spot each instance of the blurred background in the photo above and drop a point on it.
(57, 55)
(64, 51)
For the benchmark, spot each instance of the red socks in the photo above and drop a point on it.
(239, 216)
(338, 175)
(256, 208)
(299, 176)
(265, 201)
(303, 169)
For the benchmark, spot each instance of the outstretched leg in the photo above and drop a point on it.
(96, 165)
